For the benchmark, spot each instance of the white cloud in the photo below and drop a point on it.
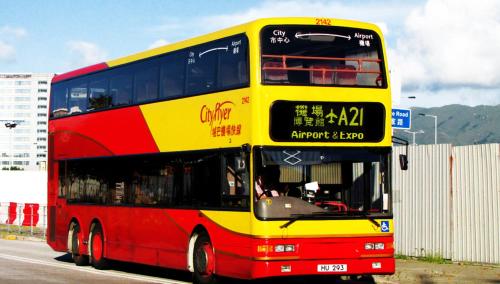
(383, 15)
(85, 53)
(8, 36)
(366, 11)
(158, 43)
(7, 31)
(7, 52)
(442, 51)
(451, 43)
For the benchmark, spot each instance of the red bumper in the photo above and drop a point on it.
(261, 269)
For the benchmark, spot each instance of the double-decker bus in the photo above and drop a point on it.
(257, 151)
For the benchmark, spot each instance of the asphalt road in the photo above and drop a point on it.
(35, 262)
(31, 261)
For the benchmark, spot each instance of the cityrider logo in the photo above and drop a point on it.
(218, 113)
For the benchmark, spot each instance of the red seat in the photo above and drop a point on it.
(321, 74)
(348, 77)
(274, 71)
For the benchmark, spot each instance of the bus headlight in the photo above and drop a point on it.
(279, 248)
(369, 246)
(284, 248)
(374, 246)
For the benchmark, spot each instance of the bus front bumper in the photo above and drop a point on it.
(365, 266)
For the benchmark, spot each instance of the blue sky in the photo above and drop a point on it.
(442, 51)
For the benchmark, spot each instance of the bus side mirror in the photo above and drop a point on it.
(403, 158)
(403, 162)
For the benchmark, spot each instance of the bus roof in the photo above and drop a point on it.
(256, 24)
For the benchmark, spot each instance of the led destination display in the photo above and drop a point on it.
(327, 121)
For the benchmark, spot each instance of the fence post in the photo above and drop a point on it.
(19, 218)
(31, 224)
(44, 220)
(8, 219)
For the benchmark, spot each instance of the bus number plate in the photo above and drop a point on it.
(332, 267)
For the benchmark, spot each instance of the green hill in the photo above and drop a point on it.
(456, 124)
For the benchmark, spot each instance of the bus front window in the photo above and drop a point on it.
(321, 55)
(347, 182)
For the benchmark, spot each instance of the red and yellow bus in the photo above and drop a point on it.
(257, 151)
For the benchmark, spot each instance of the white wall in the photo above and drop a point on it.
(23, 186)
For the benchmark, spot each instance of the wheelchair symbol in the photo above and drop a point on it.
(385, 226)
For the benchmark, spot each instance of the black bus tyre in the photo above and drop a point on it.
(76, 241)
(203, 261)
(97, 248)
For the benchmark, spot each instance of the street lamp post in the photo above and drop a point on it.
(435, 124)
(11, 125)
(413, 133)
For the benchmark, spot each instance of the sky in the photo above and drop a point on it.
(440, 51)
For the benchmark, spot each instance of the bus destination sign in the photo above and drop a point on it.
(327, 121)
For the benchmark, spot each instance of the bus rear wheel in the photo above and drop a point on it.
(203, 261)
(97, 248)
(76, 242)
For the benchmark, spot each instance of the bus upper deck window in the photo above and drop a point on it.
(321, 55)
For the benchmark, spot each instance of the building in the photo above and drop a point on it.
(24, 107)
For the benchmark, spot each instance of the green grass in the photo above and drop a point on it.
(24, 231)
(431, 258)
(435, 258)
(402, 256)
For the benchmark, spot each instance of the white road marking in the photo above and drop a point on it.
(150, 279)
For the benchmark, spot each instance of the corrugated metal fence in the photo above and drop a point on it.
(448, 202)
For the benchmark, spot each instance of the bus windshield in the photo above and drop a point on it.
(321, 55)
(343, 182)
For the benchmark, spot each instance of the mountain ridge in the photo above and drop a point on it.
(456, 124)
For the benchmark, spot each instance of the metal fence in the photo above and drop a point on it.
(448, 202)
(23, 218)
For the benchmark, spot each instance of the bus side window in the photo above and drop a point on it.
(201, 69)
(98, 94)
(58, 100)
(120, 88)
(172, 75)
(146, 81)
(233, 68)
(63, 182)
(235, 189)
(77, 101)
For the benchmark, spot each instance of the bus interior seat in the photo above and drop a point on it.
(321, 74)
(276, 75)
(346, 78)
(299, 77)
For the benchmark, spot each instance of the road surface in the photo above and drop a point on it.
(29, 262)
(35, 261)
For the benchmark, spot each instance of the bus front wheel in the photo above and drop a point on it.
(203, 261)
(76, 242)
(97, 248)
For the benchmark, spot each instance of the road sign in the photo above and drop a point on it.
(401, 118)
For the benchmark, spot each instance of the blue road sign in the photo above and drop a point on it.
(401, 118)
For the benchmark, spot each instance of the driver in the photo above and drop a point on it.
(267, 183)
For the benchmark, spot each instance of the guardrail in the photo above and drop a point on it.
(23, 218)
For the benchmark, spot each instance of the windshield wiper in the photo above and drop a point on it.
(315, 214)
(305, 216)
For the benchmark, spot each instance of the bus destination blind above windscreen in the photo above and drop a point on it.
(294, 121)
